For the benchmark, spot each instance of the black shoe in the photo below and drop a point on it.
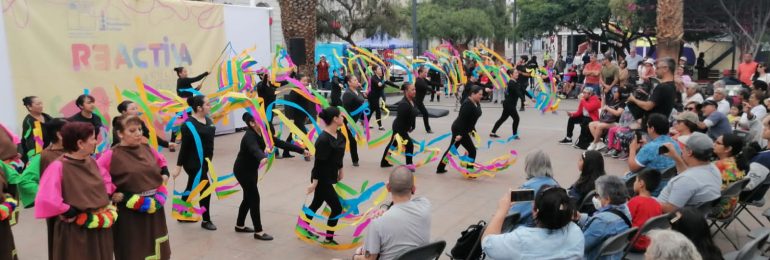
(495, 101)
(566, 140)
(385, 164)
(521, 109)
(244, 230)
(208, 225)
(288, 156)
(355, 164)
(263, 237)
(185, 221)
(429, 131)
(440, 171)
(493, 135)
(382, 128)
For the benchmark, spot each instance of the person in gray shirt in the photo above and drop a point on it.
(716, 122)
(699, 181)
(406, 225)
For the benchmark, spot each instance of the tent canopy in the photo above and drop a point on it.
(383, 41)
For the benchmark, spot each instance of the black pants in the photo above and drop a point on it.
(424, 111)
(352, 142)
(300, 123)
(325, 193)
(466, 142)
(436, 92)
(409, 148)
(250, 202)
(374, 107)
(204, 202)
(581, 120)
(509, 110)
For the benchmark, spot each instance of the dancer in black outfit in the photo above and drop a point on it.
(183, 82)
(246, 169)
(35, 107)
(470, 111)
(435, 83)
(352, 100)
(188, 153)
(297, 117)
(512, 94)
(129, 108)
(87, 105)
(422, 88)
(338, 84)
(376, 92)
(524, 76)
(327, 168)
(406, 115)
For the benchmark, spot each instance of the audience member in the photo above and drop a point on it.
(686, 123)
(609, 115)
(698, 180)
(553, 236)
(662, 96)
(671, 245)
(762, 74)
(719, 96)
(537, 166)
(592, 71)
(619, 136)
(611, 217)
(405, 225)
(591, 167)
(691, 93)
(753, 113)
(736, 112)
(727, 148)
(610, 75)
(760, 163)
(648, 156)
(692, 224)
(643, 206)
(747, 68)
(716, 122)
(587, 111)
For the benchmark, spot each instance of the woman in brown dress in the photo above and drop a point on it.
(7, 204)
(139, 173)
(78, 197)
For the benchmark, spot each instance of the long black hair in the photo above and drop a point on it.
(328, 114)
(735, 143)
(593, 168)
(52, 128)
(692, 223)
(554, 207)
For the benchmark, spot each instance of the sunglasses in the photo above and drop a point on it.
(689, 108)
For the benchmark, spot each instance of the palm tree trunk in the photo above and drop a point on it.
(298, 20)
(670, 28)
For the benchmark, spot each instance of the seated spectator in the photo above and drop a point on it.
(728, 79)
(686, 123)
(671, 245)
(648, 155)
(591, 167)
(643, 206)
(691, 93)
(759, 86)
(611, 217)
(619, 136)
(731, 165)
(537, 166)
(720, 96)
(609, 116)
(692, 224)
(554, 235)
(716, 122)
(587, 111)
(736, 112)
(753, 113)
(695, 108)
(405, 225)
(698, 180)
(759, 165)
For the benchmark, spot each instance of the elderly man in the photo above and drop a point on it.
(633, 61)
(715, 123)
(753, 113)
(537, 166)
(698, 181)
(405, 225)
(691, 93)
(611, 218)
(720, 95)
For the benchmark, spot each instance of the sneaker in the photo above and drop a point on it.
(599, 146)
(591, 146)
(566, 140)
(623, 156)
(385, 164)
(440, 171)
(208, 225)
(429, 131)
(616, 154)
(382, 128)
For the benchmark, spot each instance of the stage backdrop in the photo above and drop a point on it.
(56, 49)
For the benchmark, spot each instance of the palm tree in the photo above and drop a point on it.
(298, 20)
(670, 28)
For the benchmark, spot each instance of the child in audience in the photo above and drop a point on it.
(643, 206)
(736, 111)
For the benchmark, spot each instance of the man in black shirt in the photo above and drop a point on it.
(435, 82)
(422, 88)
(524, 77)
(87, 105)
(661, 99)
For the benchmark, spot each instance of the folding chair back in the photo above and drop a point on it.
(587, 200)
(751, 250)
(426, 252)
(659, 222)
(617, 243)
(509, 223)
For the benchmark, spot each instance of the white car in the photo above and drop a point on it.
(398, 75)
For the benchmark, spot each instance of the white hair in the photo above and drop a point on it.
(670, 245)
(538, 164)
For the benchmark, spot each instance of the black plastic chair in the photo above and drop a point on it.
(706, 208)
(617, 243)
(751, 250)
(586, 202)
(659, 222)
(754, 198)
(733, 190)
(429, 251)
(509, 223)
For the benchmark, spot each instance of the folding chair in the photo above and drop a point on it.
(706, 208)
(429, 251)
(509, 223)
(617, 243)
(761, 231)
(751, 250)
(754, 198)
(476, 247)
(659, 222)
(587, 201)
(733, 190)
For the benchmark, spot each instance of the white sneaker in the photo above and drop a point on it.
(599, 146)
(591, 147)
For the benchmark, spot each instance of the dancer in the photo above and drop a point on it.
(352, 100)
(422, 88)
(36, 116)
(77, 191)
(246, 169)
(470, 111)
(7, 152)
(129, 108)
(338, 84)
(512, 94)
(201, 125)
(184, 84)
(297, 116)
(86, 114)
(139, 173)
(435, 83)
(327, 168)
(406, 115)
(376, 92)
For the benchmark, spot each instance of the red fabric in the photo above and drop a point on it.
(642, 209)
(746, 71)
(593, 66)
(592, 105)
(323, 71)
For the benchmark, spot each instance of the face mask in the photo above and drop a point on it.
(597, 202)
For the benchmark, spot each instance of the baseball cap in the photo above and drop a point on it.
(710, 102)
(683, 58)
(650, 61)
(687, 116)
(700, 143)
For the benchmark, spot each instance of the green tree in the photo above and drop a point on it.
(346, 18)
(463, 22)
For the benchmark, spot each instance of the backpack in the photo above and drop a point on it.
(468, 245)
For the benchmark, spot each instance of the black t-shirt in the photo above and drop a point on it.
(188, 153)
(95, 120)
(663, 96)
(328, 160)
(523, 69)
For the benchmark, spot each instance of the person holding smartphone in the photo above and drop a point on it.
(647, 155)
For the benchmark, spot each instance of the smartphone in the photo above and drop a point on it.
(523, 195)
(662, 150)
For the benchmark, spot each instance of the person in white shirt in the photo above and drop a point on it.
(691, 94)
(723, 106)
(753, 113)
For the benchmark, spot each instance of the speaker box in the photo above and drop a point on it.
(297, 51)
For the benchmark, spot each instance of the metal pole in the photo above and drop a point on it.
(514, 26)
(415, 43)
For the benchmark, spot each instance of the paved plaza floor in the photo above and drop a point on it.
(456, 202)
